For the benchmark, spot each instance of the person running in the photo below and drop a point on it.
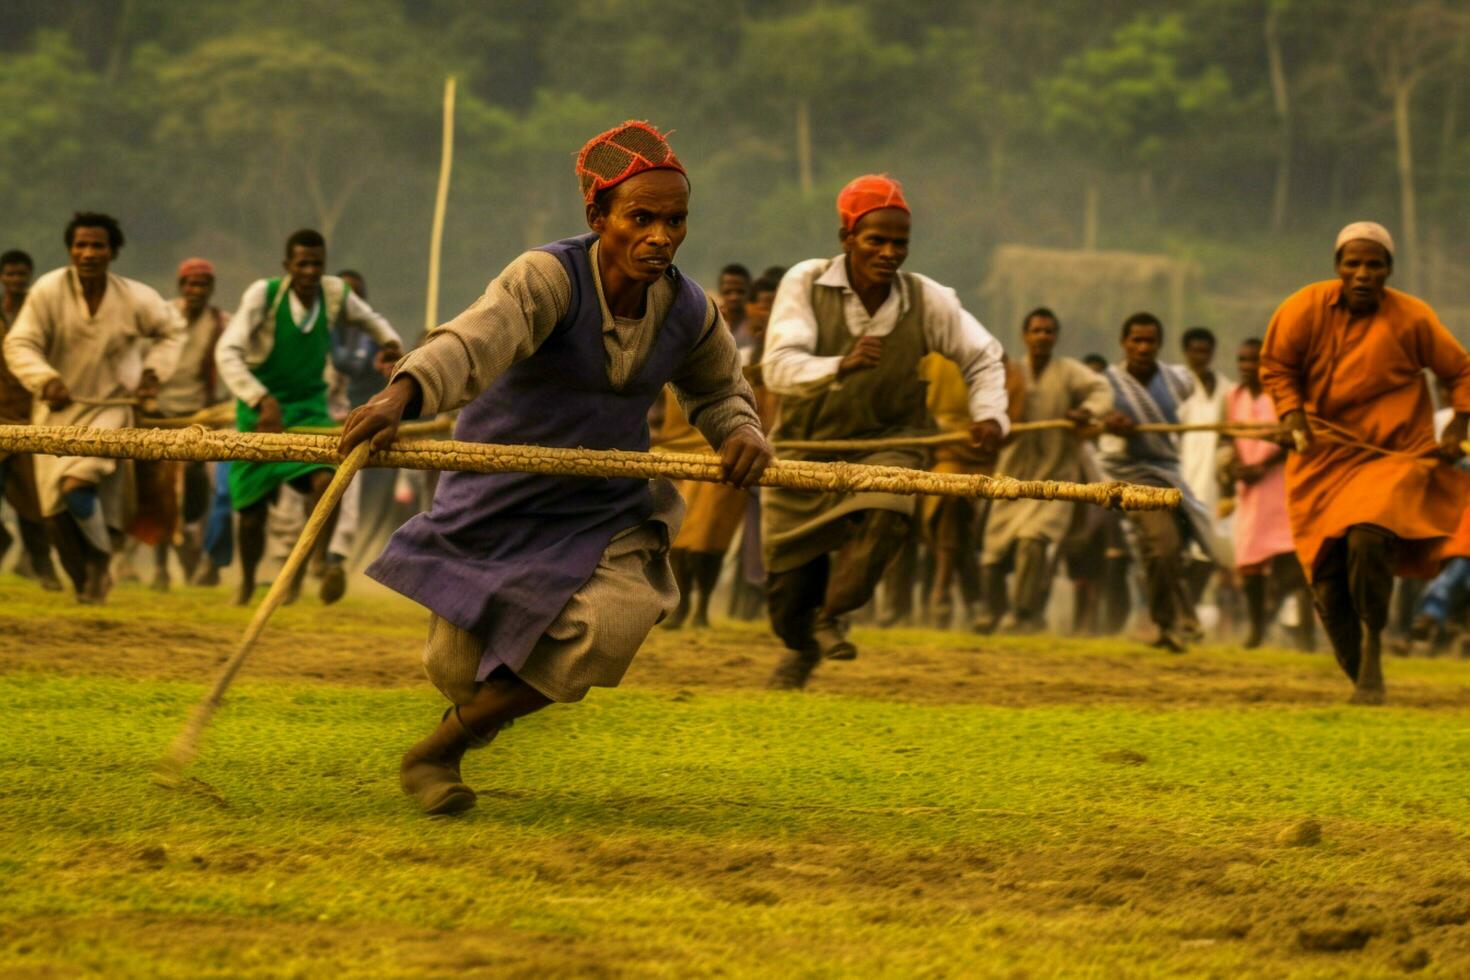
(17, 473)
(273, 356)
(365, 519)
(843, 349)
(173, 497)
(1021, 534)
(90, 345)
(713, 513)
(1148, 391)
(1373, 492)
(542, 587)
(1265, 557)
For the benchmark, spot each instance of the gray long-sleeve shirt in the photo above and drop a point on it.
(520, 308)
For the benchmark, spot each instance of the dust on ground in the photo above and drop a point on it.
(1189, 900)
(375, 640)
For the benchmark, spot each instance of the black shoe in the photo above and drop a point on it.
(794, 669)
(1169, 641)
(831, 644)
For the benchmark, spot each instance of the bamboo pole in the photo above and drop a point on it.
(839, 477)
(1257, 430)
(186, 746)
(441, 203)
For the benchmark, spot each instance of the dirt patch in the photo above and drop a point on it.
(240, 946)
(376, 641)
(1141, 887)
(181, 650)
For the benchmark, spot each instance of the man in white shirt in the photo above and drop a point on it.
(1198, 451)
(843, 350)
(90, 345)
(274, 355)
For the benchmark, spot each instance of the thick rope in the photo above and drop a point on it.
(186, 746)
(407, 430)
(222, 416)
(205, 445)
(1249, 430)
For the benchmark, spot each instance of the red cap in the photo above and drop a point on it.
(612, 157)
(870, 192)
(196, 267)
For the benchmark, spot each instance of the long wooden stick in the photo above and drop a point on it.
(186, 746)
(441, 204)
(1247, 429)
(472, 457)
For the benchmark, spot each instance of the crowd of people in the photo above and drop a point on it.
(541, 587)
(86, 346)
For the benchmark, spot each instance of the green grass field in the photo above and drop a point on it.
(946, 805)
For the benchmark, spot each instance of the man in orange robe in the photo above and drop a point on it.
(1371, 493)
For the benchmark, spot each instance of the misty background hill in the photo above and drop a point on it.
(1217, 144)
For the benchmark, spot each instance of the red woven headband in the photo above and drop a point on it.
(623, 151)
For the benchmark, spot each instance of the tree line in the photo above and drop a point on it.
(1237, 133)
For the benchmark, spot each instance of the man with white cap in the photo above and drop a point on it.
(1370, 494)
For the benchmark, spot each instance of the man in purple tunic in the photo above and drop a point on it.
(542, 587)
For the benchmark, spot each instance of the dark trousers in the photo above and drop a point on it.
(834, 584)
(1353, 589)
(1027, 558)
(1161, 549)
(952, 551)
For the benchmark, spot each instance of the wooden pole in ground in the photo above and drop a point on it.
(441, 203)
(186, 746)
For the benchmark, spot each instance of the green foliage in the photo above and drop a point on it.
(1127, 100)
(49, 98)
(220, 128)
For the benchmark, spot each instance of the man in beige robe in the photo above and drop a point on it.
(90, 345)
(1022, 532)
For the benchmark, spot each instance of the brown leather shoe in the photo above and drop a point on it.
(430, 770)
(334, 584)
(831, 644)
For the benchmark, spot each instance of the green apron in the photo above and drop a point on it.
(293, 375)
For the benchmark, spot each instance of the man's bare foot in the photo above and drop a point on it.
(1369, 689)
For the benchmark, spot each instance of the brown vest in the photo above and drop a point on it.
(886, 400)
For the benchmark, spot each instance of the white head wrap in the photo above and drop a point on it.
(1366, 231)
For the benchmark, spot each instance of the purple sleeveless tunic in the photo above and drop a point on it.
(499, 554)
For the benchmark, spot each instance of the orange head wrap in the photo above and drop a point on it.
(196, 267)
(869, 192)
(623, 151)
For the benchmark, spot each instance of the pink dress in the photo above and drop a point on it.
(1262, 528)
